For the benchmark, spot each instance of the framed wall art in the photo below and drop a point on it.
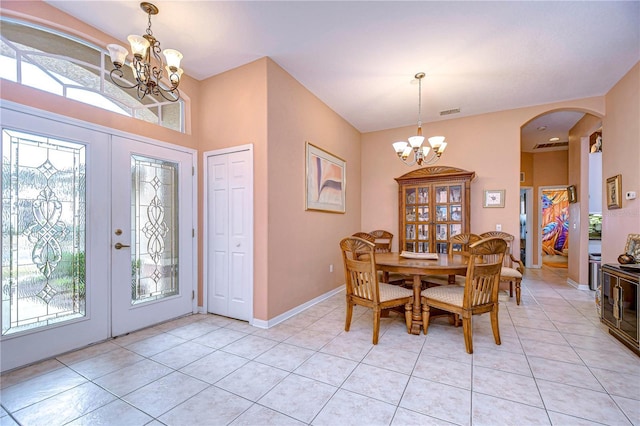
(325, 181)
(614, 192)
(632, 247)
(494, 198)
(571, 192)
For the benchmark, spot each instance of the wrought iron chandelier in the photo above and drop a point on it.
(427, 154)
(147, 65)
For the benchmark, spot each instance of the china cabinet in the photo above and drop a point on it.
(433, 207)
(619, 300)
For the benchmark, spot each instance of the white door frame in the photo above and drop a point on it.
(205, 226)
(528, 246)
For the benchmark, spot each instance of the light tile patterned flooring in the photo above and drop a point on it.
(556, 365)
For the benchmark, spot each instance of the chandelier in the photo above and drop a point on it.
(430, 152)
(147, 65)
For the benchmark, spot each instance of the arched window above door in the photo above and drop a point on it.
(48, 60)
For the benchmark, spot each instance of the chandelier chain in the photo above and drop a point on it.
(419, 101)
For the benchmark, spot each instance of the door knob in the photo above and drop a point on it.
(118, 246)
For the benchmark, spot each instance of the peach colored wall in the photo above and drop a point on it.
(621, 155)
(232, 112)
(45, 15)
(550, 168)
(526, 166)
(488, 144)
(578, 161)
(302, 244)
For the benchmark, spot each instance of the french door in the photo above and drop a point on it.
(55, 268)
(152, 235)
(66, 190)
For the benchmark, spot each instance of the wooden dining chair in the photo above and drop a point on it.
(479, 294)
(512, 268)
(365, 236)
(363, 287)
(383, 240)
(458, 244)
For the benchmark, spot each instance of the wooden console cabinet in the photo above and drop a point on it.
(619, 301)
(433, 206)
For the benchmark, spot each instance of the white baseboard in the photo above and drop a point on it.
(290, 313)
(579, 286)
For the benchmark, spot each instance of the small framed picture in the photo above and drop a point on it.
(571, 191)
(494, 198)
(614, 192)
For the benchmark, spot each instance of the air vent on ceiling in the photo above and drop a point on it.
(551, 145)
(450, 111)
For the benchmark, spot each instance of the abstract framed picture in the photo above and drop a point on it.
(326, 184)
(614, 192)
(494, 198)
(571, 192)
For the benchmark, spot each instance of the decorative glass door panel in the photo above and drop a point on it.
(154, 249)
(43, 231)
(151, 235)
(54, 207)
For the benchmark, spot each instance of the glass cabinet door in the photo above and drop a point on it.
(416, 219)
(448, 215)
(628, 301)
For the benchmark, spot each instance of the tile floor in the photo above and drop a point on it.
(556, 365)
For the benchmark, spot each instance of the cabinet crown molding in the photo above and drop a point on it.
(439, 171)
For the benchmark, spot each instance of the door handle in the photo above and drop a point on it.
(118, 246)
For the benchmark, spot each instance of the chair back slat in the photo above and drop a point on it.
(483, 272)
(383, 240)
(508, 238)
(360, 268)
(365, 236)
(463, 240)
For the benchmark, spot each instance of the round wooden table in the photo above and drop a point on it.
(446, 264)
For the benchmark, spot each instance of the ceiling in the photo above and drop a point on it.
(360, 57)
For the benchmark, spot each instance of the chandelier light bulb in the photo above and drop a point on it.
(139, 45)
(173, 58)
(118, 54)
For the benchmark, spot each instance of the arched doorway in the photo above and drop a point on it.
(554, 155)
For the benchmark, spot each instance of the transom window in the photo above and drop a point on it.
(41, 58)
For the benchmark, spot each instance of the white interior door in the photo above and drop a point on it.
(229, 233)
(152, 235)
(55, 263)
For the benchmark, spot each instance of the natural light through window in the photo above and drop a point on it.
(37, 57)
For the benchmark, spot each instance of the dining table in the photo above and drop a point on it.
(445, 264)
